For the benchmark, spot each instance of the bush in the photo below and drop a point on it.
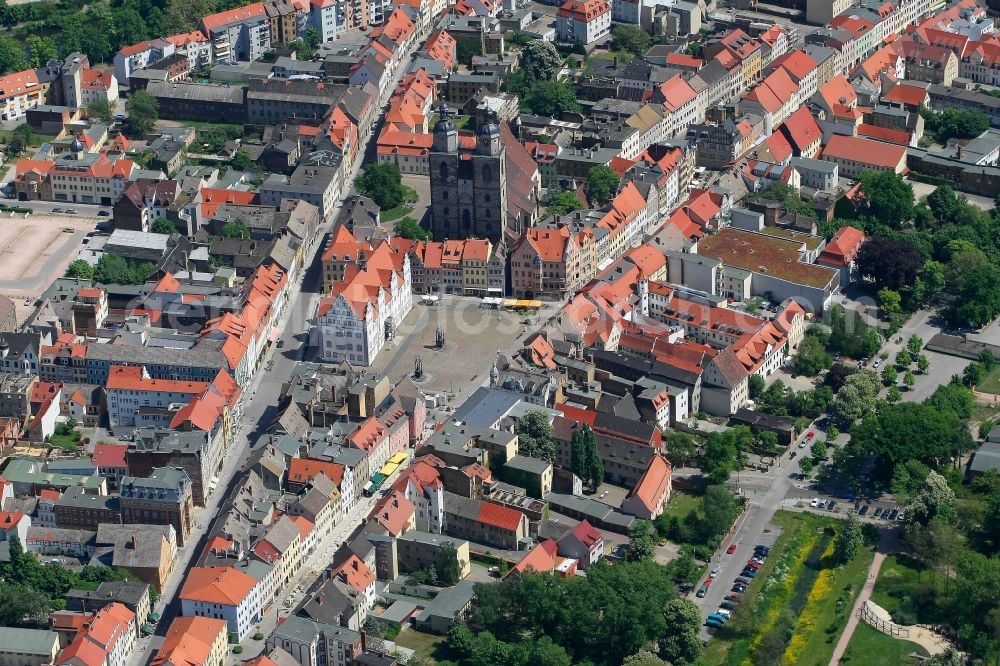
(238, 649)
(258, 636)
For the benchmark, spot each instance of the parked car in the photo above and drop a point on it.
(814, 502)
(831, 505)
(707, 583)
(720, 618)
(723, 612)
(863, 511)
(713, 573)
(728, 605)
(901, 516)
(877, 363)
(878, 512)
(57, 210)
(810, 435)
(893, 514)
(735, 597)
(762, 548)
(701, 592)
(731, 549)
(749, 573)
(103, 213)
(714, 622)
(71, 211)
(737, 587)
(751, 564)
(743, 580)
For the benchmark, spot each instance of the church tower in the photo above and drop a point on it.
(443, 163)
(489, 167)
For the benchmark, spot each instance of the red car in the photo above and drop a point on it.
(812, 433)
(753, 565)
(707, 583)
(731, 549)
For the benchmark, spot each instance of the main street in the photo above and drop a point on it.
(260, 400)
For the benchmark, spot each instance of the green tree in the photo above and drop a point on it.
(551, 98)
(241, 160)
(832, 433)
(973, 374)
(11, 56)
(630, 39)
(857, 396)
(642, 544)
(818, 451)
(922, 363)
(987, 360)
(935, 499)
(101, 110)
(40, 50)
(888, 196)
(539, 61)
(890, 301)
(302, 49)
(932, 281)
(889, 375)
(893, 395)
(162, 225)
(644, 658)
(602, 184)
(142, 113)
(756, 387)
(80, 269)
(448, 567)
(976, 301)
(534, 433)
(812, 358)
(806, 466)
(903, 359)
(849, 539)
(681, 447)
(563, 203)
(909, 380)
(409, 228)
(313, 37)
(383, 184)
(681, 644)
(236, 229)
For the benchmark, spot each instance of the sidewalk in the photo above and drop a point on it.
(855, 616)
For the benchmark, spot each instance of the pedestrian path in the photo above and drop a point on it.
(852, 621)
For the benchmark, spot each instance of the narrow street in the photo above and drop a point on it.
(260, 401)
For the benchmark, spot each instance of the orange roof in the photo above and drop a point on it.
(540, 559)
(129, 378)
(355, 574)
(302, 470)
(583, 10)
(838, 91)
(225, 586)
(189, 641)
(10, 519)
(844, 245)
(212, 198)
(550, 244)
(97, 79)
(222, 19)
(184, 38)
(19, 83)
(865, 151)
(304, 524)
(684, 60)
(797, 63)
(676, 93)
(109, 455)
(802, 129)
(899, 137)
(394, 512)
(653, 485)
(502, 517)
(909, 95)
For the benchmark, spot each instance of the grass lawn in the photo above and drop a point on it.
(430, 649)
(397, 213)
(65, 441)
(991, 382)
(870, 646)
(783, 588)
(681, 504)
(908, 589)
(35, 141)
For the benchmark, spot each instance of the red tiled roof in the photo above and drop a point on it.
(865, 151)
(653, 484)
(500, 516)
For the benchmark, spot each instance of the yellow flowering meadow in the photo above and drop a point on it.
(811, 611)
(781, 592)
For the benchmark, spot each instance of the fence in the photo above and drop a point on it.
(885, 626)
